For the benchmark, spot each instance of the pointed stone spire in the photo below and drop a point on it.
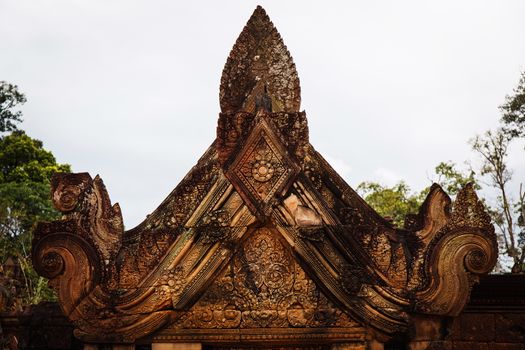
(259, 61)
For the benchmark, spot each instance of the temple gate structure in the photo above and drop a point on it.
(262, 244)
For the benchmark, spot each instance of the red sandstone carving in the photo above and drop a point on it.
(261, 233)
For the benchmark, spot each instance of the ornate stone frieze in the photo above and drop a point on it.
(262, 240)
(215, 226)
(263, 286)
(233, 129)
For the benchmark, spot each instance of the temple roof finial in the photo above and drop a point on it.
(259, 60)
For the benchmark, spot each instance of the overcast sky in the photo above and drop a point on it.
(129, 89)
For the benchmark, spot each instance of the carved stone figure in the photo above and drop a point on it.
(262, 240)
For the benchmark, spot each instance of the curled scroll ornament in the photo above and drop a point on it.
(70, 263)
(456, 261)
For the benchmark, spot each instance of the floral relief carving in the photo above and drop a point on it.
(263, 286)
(262, 169)
(171, 284)
(214, 226)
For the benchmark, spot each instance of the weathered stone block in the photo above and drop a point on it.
(510, 328)
(506, 346)
(426, 328)
(467, 345)
(453, 329)
(431, 345)
(478, 327)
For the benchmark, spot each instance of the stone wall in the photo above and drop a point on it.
(493, 320)
(494, 317)
(41, 326)
(487, 331)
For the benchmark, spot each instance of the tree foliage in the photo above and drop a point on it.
(10, 99)
(25, 172)
(451, 179)
(513, 110)
(508, 209)
(493, 149)
(398, 201)
(393, 203)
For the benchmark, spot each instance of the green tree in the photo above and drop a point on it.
(507, 212)
(513, 110)
(10, 99)
(25, 172)
(398, 201)
(451, 179)
(393, 203)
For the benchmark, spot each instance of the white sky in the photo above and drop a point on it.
(129, 89)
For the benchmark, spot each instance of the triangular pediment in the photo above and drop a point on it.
(263, 286)
(262, 240)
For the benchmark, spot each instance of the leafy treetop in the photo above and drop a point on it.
(398, 201)
(25, 172)
(513, 110)
(10, 98)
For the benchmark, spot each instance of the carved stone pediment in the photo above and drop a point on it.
(262, 238)
(262, 286)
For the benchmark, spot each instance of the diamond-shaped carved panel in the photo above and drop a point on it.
(262, 168)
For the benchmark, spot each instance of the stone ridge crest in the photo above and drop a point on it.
(259, 62)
